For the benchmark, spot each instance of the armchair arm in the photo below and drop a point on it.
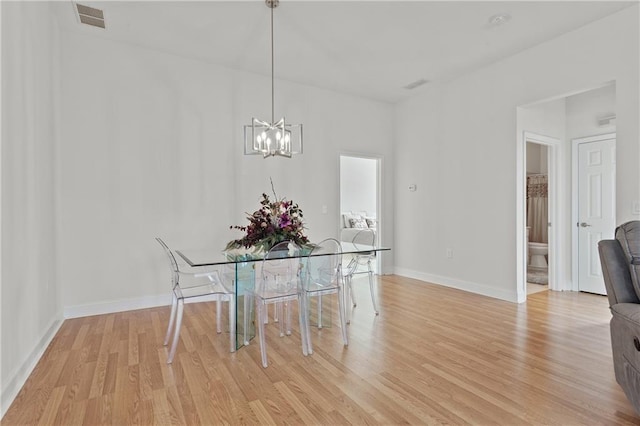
(615, 270)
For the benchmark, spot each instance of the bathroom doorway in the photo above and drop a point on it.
(537, 214)
(538, 217)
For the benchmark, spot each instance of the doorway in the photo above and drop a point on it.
(360, 198)
(541, 194)
(537, 216)
(566, 118)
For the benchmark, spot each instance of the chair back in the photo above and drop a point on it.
(365, 237)
(280, 271)
(172, 262)
(322, 266)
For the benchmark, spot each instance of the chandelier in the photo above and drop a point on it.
(275, 138)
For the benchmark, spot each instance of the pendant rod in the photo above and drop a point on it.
(272, 73)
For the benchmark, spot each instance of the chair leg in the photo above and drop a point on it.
(260, 306)
(218, 315)
(371, 289)
(172, 318)
(287, 318)
(348, 298)
(305, 311)
(342, 314)
(303, 329)
(176, 334)
(248, 303)
(319, 310)
(278, 313)
(232, 323)
(351, 292)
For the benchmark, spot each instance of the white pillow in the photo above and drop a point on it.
(358, 223)
(347, 219)
(371, 222)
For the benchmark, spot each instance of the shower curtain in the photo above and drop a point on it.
(537, 208)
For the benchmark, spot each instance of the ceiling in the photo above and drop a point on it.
(371, 49)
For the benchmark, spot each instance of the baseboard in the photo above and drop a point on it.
(472, 287)
(12, 384)
(121, 305)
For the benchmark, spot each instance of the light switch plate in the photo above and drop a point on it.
(636, 207)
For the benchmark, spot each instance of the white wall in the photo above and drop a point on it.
(543, 119)
(31, 309)
(358, 185)
(536, 158)
(466, 174)
(154, 148)
(533, 158)
(584, 109)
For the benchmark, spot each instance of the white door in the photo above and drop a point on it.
(596, 209)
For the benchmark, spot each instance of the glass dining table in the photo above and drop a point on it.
(240, 268)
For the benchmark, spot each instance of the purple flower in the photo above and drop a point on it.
(273, 222)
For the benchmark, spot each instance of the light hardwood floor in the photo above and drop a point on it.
(434, 356)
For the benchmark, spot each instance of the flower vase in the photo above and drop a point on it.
(242, 253)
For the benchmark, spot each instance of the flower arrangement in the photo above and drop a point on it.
(274, 222)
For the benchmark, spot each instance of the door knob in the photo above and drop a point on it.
(584, 224)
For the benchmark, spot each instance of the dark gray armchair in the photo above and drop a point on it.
(620, 259)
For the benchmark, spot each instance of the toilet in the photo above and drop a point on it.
(538, 251)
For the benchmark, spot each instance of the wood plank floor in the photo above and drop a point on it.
(434, 356)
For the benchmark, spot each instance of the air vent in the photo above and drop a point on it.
(416, 83)
(90, 16)
(609, 120)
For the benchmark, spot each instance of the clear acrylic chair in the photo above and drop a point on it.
(322, 275)
(365, 237)
(187, 285)
(277, 283)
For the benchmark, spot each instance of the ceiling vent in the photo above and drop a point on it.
(416, 83)
(90, 15)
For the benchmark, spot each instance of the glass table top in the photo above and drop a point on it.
(210, 257)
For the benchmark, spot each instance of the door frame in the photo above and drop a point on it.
(379, 213)
(575, 285)
(555, 266)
